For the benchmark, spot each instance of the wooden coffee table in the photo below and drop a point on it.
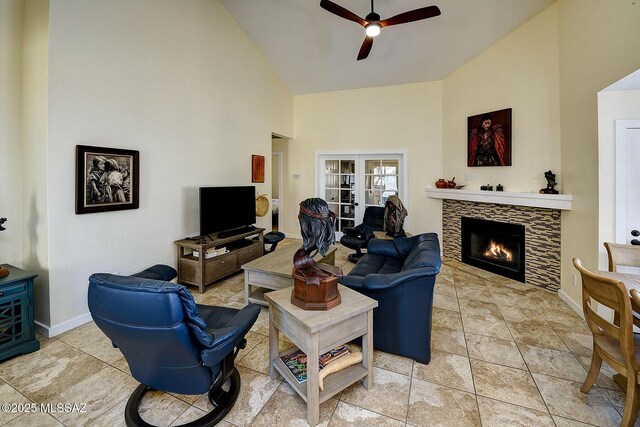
(316, 332)
(273, 271)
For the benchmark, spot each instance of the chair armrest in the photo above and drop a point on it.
(224, 341)
(385, 281)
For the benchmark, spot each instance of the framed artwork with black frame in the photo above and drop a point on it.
(107, 179)
(489, 139)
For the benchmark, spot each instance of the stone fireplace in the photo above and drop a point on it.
(494, 246)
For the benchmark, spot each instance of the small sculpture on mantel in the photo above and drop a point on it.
(315, 285)
(551, 183)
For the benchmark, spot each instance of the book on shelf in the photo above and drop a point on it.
(211, 252)
(296, 361)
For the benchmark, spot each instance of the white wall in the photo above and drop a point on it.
(519, 72)
(612, 106)
(178, 81)
(11, 17)
(404, 117)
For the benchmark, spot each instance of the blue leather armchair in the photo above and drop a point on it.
(400, 274)
(357, 238)
(170, 342)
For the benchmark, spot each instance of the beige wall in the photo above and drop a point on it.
(11, 26)
(35, 242)
(612, 106)
(405, 117)
(599, 43)
(181, 83)
(519, 72)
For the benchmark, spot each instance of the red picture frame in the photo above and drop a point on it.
(257, 168)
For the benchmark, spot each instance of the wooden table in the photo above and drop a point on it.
(273, 271)
(315, 332)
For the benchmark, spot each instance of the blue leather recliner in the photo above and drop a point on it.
(400, 274)
(170, 342)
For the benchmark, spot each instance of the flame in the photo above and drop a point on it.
(497, 251)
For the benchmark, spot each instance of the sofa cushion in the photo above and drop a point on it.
(425, 253)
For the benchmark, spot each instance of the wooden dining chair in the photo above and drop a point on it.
(622, 255)
(615, 344)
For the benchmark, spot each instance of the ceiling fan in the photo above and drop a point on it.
(373, 24)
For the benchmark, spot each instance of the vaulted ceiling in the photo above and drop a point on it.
(315, 51)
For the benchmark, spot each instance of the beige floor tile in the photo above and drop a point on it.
(499, 414)
(476, 293)
(392, 362)
(487, 326)
(568, 321)
(563, 398)
(90, 339)
(122, 365)
(347, 415)
(480, 308)
(554, 363)
(565, 422)
(43, 375)
(494, 350)
(448, 340)
(446, 319)
(535, 333)
(100, 392)
(262, 323)
(515, 313)
(160, 409)
(445, 302)
(258, 358)
(191, 414)
(388, 397)
(446, 369)
(10, 396)
(445, 288)
(255, 391)
(114, 417)
(578, 344)
(285, 407)
(506, 384)
(434, 405)
(34, 419)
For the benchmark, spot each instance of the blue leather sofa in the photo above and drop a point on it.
(400, 274)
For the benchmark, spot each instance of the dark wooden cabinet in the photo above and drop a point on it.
(17, 332)
(200, 271)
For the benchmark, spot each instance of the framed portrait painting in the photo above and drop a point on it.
(489, 139)
(107, 179)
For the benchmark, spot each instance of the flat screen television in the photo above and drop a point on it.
(226, 208)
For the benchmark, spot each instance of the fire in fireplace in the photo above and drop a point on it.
(494, 246)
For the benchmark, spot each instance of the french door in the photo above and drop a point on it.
(351, 182)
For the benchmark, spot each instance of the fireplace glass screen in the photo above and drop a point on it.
(494, 246)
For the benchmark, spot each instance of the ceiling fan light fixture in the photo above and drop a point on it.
(372, 29)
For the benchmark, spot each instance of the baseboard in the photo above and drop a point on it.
(564, 297)
(52, 331)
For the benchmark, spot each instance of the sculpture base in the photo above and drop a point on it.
(3, 272)
(549, 191)
(314, 297)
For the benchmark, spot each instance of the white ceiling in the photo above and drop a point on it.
(315, 51)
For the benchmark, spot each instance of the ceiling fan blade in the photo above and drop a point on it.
(412, 15)
(365, 48)
(341, 12)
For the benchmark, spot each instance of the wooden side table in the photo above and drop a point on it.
(17, 331)
(315, 332)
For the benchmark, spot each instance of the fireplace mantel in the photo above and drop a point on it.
(548, 201)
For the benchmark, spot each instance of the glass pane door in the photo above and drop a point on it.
(339, 191)
(381, 181)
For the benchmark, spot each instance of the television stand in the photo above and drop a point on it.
(236, 231)
(201, 271)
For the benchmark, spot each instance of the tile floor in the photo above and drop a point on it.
(504, 354)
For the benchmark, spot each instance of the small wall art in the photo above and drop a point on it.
(257, 168)
(107, 179)
(489, 139)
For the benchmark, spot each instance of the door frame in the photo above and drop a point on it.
(404, 191)
(278, 154)
(621, 144)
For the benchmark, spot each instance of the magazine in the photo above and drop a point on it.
(297, 361)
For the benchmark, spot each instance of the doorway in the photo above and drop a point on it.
(352, 182)
(276, 189)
